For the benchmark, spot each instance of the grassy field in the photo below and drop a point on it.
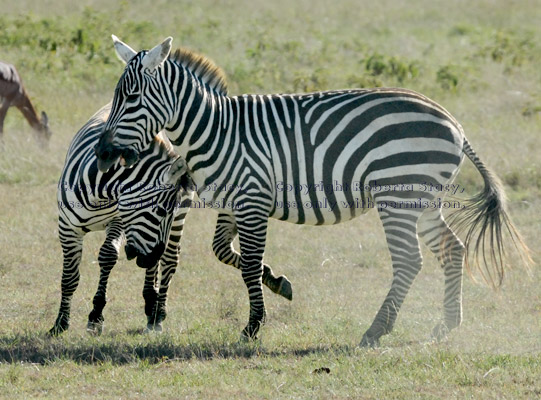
(479, 59)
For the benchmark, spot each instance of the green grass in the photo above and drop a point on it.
(478, 59)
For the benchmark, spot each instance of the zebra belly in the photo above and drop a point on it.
(344, 205)
(211, 197)
(320, 203)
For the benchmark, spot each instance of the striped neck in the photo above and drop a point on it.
(201, 119)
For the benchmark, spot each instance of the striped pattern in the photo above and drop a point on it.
(318, 158)
(135, 204)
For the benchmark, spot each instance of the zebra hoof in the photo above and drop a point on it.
(440, 332)
(284, 288)
(94, 328)
(61, 325)
(249, 334)
(56, 331)
(369, 341)
(244, 338)
(154, 328)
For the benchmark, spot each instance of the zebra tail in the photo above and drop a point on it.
(485, 220)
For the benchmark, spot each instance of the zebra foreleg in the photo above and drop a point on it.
(150, 294)
(401, 233)
(449, 250)
(107, 259)
(252, 230)
(72, 249)
(222, 245)
(159, 312)
(168, 266)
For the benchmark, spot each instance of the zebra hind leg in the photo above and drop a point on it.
(449, 250)
(222, 245)
(279, 285)
(107, 259)
(72, 249)
(401, 233)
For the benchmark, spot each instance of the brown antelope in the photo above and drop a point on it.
(13, 93)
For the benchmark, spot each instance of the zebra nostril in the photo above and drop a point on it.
(130, 157)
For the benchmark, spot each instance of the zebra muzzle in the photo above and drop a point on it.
(145, 260)
(128, 157)
(131, 252)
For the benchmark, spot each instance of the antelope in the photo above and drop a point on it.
(13, 93)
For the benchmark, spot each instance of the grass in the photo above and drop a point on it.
(479, 60)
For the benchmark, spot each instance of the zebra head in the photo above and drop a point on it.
(140, 109)
(44, 126)
(147, 210)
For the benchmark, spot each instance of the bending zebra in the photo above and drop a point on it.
(137, 203)
(287, 156)
(13, 93)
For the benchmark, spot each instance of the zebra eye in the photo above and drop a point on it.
(161, 212)
(132, 98)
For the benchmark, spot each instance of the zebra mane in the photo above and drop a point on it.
(204, 68)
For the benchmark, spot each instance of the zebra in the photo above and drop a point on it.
(128, 204)
(319, 158)
(146, 205)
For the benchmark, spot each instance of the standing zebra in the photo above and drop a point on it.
(318, 158)
(136, 202)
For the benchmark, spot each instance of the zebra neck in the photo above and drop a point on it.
(201, 124)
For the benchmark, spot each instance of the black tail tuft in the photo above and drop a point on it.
(488, 228)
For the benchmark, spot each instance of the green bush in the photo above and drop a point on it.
(509, 48)
(448, 77)
(391, 68)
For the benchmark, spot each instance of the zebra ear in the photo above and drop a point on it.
(177, 170)
(123, 51)
(157, 55)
